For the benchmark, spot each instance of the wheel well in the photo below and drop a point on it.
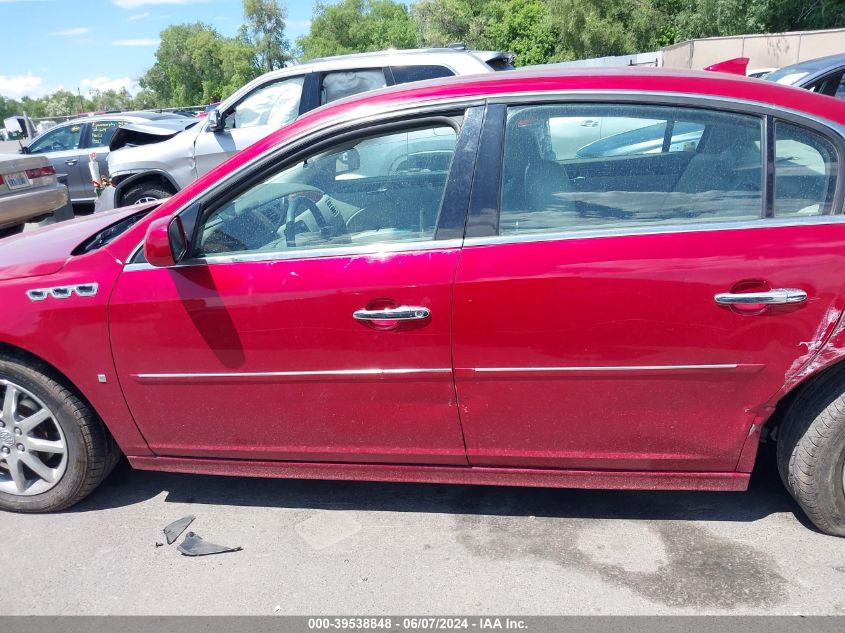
(835, 372)
(153, 178)
(19, 353)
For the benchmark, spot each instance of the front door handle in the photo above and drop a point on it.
(776, 296)
(71, 161)
(402, 313)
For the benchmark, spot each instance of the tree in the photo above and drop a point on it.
(264, 29)
(524, 28)
(356, 26)
(444, 22)
(609, 27)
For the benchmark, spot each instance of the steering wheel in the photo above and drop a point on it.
(297, 206)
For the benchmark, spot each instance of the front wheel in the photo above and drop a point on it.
(811, 453)
(145, 192)
(53, 449)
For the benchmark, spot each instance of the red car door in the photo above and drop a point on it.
(312, 321)
(603, 320)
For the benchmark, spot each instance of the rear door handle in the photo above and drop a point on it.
(402, 313)
(776, 296)
(71, 161)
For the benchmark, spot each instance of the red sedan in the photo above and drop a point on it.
(430, 283)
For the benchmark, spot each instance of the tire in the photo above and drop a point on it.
(144, 192)
(811, 452)
(89, 451)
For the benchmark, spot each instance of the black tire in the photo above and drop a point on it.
(91, 451)
(138, 193)
(811, 452)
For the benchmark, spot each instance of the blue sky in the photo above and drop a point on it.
(87, 44)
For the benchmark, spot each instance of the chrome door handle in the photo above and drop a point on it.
(71, 161)
(590, 123)
(771, 297)
(402, 313)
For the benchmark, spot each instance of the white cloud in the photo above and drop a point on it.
(21, 85)
(138, 16)
(82, 30)
(134, 4)
(107, 83)
(138, 42)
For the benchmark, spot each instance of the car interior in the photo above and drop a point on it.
(714, 175)
(382, 188)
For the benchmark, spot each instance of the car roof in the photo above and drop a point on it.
(407, 52)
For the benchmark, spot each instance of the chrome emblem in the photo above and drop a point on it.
(7, 438)
(63, 292)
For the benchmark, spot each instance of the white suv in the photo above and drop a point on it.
(146, 172)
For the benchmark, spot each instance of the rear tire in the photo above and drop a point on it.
(88, 452)
(811, 452)
(145, 192)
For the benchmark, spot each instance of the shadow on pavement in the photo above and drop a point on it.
(766, 496)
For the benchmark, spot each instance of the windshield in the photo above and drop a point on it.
(108, 234)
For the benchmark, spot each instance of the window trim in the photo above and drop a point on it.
(479, 232)
(272, 163)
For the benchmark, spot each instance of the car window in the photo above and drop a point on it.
(830, 85)
(101, 132)
(405, 74)
(661, 165)
(806, 165)
(344, 83)
(58, 139)
(273, 104)
(383, 188)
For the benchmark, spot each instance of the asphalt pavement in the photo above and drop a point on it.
(318, 547)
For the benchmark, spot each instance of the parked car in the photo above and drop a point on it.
(341, 301)
(29, 191)
(823, 75)
(69, 146)
(269, 102)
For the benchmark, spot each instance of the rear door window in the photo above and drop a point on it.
(100, 133)
(660, 165)
(806, 166)
(344, 83)
(405, 74)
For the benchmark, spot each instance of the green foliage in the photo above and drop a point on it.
(264, 29)
(356, 26)
(195, 64)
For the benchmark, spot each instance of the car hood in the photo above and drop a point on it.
(133, 134)
(46, 250)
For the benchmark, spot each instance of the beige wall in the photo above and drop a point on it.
(765, 51)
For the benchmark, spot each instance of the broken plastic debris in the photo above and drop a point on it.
(176, 528)
(193, 545)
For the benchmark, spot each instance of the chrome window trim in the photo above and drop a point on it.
(367, 115)
(759, 223)
(372, 250)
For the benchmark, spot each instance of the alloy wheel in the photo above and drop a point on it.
(33, 448)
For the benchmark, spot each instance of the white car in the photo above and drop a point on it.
(154, 171)
(29, 190)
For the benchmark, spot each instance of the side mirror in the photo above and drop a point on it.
(165, 243)
(215, 120)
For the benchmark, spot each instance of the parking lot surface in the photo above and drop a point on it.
(319, 547)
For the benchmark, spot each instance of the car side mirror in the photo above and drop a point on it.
(165, 243)
(215, 120)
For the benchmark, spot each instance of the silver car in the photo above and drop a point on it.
(146, 172)
(29, 190)
(69, 145)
